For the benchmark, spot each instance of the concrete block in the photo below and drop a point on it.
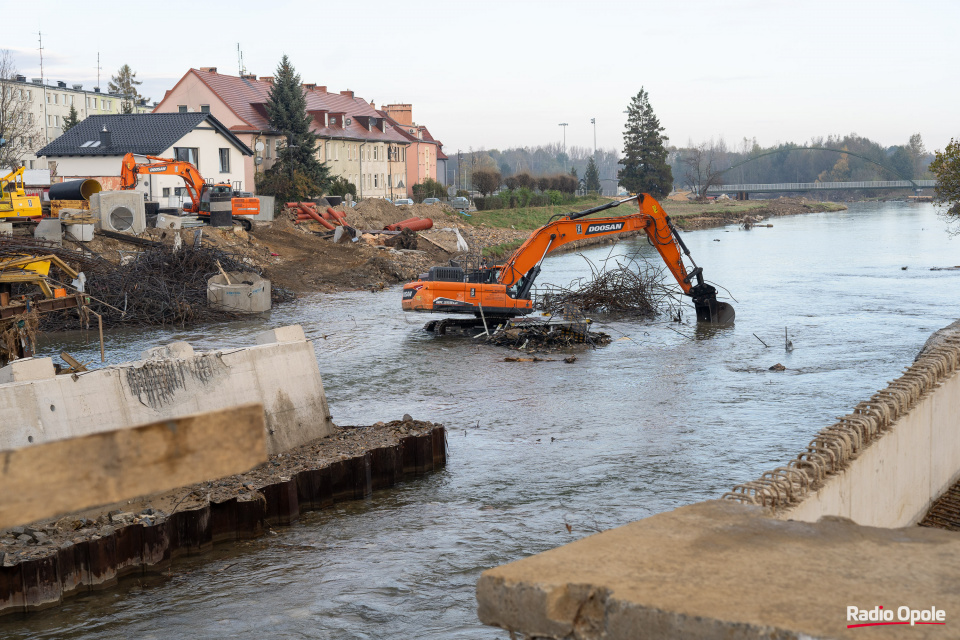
(246, 293)
(290, 333)
(49, 229)
(120, 211)
(175, 350)
(167, 221)
(267, 204)
(27, 369)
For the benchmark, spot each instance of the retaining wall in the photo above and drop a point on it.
(137, 549)
(281, 373)
(885, 463)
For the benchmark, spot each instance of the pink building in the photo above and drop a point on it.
(424, 151)
(356, 141)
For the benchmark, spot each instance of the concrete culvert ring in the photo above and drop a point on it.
(121, 218)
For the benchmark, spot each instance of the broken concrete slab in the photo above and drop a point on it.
(724, 570)
(26, 369)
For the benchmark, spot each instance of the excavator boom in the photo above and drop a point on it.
(508, 291)
(195, 184)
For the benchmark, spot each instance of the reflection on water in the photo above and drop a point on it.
(666, 415)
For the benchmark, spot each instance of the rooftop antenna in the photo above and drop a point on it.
(42, 98)
(242, 69)
(98, 68)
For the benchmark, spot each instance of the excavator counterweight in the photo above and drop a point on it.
(505, 291)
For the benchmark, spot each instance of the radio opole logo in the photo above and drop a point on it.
(878, 616)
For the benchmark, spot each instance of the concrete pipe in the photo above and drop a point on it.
(75, 189)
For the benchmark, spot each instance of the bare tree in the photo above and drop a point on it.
(486, 181)
(699, 169)
(18, 131)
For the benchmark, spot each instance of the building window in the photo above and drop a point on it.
(336, 151)
(30, 118)
(31, 164)
(29, 94)
(166, 192)
(187, 154)
(181, 108)
(225, 160)
(204, 108)
(376, 183)
(71, 100)
(266, 146)
(279, 142)
(48, 98)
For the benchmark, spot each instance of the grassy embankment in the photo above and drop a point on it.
(530, 218)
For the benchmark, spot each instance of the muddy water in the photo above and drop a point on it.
(665, 416)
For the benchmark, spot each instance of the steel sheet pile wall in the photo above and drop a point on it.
(135, 549)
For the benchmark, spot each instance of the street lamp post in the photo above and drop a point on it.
(564, 125)
(593, 121)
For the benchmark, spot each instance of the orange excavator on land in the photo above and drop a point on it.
(200, 191)
(505, 291)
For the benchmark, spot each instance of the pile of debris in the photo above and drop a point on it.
(161, 286)
(622, 286)
(548, 337)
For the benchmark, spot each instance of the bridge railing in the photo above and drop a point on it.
(821, 186)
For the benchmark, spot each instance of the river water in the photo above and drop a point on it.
(542, 454)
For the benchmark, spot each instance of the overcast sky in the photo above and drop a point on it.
(497, 74)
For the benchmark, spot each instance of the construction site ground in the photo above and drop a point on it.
(299, 258)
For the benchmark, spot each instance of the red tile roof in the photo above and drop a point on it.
(247, 99)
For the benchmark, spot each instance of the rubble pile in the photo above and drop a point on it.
(161, 286)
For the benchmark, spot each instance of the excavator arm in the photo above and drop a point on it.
(452, 290)
(192, 179)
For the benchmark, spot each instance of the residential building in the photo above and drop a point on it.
(48, 105)
(424, 151)
(355, 141)
(95, 148)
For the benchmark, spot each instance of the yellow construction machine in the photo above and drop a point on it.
(14, 201)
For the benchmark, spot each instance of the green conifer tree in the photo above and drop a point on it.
(71, 120)
(591, 177)
(297, 174)
(645, 168)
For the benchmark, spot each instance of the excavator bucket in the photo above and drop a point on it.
(709, 309)
(714, 312)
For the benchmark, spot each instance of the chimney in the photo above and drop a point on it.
(105, 138)
(266, 79)
(61, 84)
(96, 89)
(347, 93)
(21, 78)
(249, 76)
(309, 86)
(402, 113)
(373, 105)
(209, 69)
(322, 88)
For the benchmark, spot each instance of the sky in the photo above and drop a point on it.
(497, 74)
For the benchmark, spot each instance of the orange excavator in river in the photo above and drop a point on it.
(200, 191)
(505, 291)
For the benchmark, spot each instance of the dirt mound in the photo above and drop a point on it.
(374, 213)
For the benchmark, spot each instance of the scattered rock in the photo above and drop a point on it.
(24, 539)
(778, 367)
(407, 417)
(570, 359)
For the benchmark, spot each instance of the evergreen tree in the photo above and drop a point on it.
(71, 120)
(591, 177)
(297, 174)
(125, 83)
(645, 168)
(573, 172)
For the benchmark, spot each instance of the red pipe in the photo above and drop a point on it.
(313, 214)
(414, 224)
(339, 215)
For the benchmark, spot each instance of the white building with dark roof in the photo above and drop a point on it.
(95, 148)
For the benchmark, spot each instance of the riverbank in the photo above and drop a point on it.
(45, 562)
